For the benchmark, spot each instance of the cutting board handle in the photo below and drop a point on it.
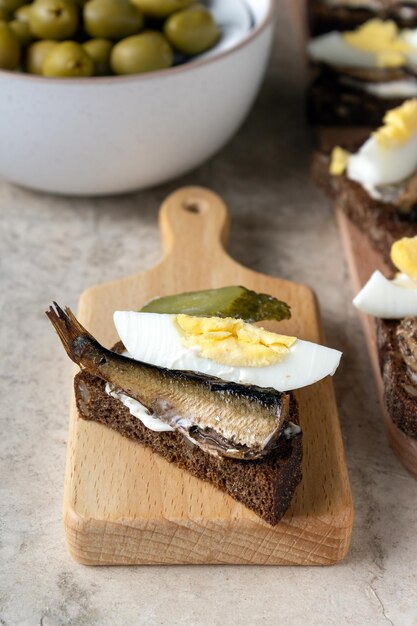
(194, 222)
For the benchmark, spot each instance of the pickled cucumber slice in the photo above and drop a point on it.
(235, 301)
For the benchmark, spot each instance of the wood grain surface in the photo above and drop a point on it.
(125, 505)
(363, 260)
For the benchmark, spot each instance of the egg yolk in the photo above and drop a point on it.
(232, 341)
(338, 161)
(400, 124)
(404, 256)
(381, 38)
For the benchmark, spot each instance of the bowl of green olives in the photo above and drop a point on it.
(101, 97)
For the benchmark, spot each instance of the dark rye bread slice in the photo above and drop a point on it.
(266, 486)
(400, 394)
(323, 17)
(382, 222)
(333, 102)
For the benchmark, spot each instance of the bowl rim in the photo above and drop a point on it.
(171, 71)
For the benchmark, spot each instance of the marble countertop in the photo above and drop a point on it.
(53, 248)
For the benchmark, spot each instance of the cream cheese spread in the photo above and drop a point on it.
(355, 4)
(292, 430)
(406, 88)
(138, 410)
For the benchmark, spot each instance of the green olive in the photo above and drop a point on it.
(9, 48)
(10, 6)
(36, 54)
(192, 30)
(112, 19)
(99, 50)
(23, 13)
(146, 52)
(22, 30)
(161, 8)
(53, 19)
(68, 59)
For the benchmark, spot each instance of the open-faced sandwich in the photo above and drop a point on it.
(394, 303)
(199, 383)
(359, 75)
(376, 185)
(327, 15)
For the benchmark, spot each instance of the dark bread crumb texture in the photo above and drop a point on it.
(265, 486)
(333, 103)
(323, 17)
(381, 222)
(400, 395)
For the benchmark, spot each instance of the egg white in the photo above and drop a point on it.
(388, 299)
(153, 338)
(374, 165)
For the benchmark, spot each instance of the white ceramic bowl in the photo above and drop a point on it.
(111, 135)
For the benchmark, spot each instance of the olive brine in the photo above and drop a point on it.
(73, 38)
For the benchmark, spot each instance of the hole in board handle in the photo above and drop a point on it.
(194, 206)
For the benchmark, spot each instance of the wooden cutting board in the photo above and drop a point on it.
(363, 260)
(125, 505)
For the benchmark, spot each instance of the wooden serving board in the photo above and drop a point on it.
(363, 260)
(125, 505)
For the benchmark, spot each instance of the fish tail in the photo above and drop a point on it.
(75, 338)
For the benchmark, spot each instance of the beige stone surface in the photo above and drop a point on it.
(52, 248)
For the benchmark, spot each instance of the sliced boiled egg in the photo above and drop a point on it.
(230, 341)
(389, 156)
(374, 44)
(228, 349)
(332, 49)
(404, 256)
(388, 299)
(397, 298)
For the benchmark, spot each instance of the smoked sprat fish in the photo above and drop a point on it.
(239, 421)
